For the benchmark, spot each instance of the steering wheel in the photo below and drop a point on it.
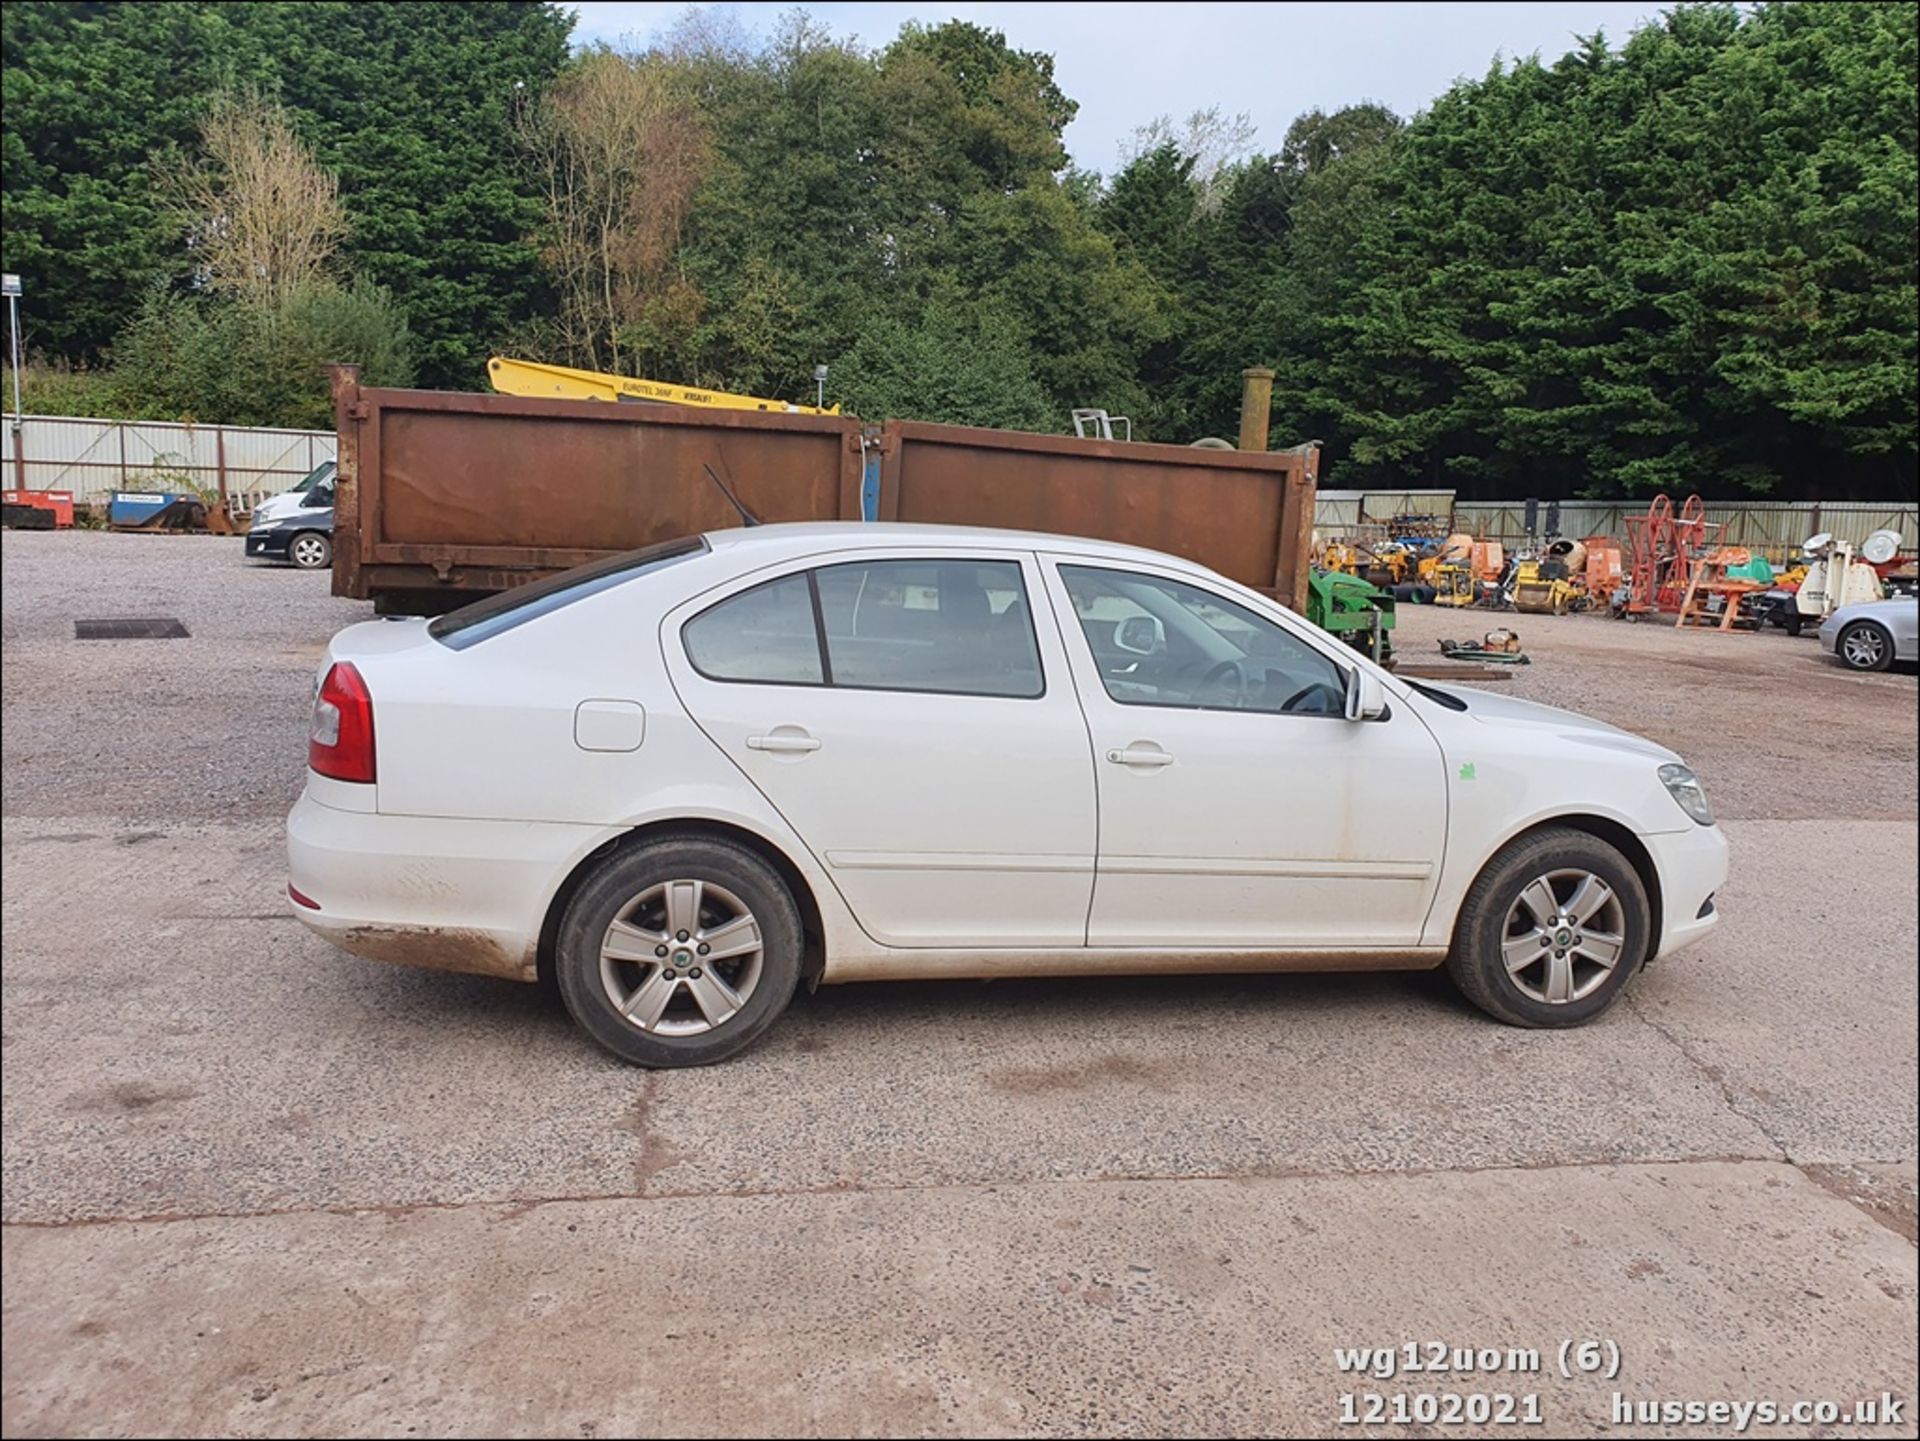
(1332, 699)
(1220, 672)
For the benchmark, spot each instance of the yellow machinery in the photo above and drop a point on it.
(1342, 556)
(1392, 563)
(1542, 587)
(1454, 572)
(1452, 581)
(531, 378)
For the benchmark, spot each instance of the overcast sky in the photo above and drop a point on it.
(1128, 62)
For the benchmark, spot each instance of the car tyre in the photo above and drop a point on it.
(1865, 645)
(310, 550)
(611, 979)
(1498, 960)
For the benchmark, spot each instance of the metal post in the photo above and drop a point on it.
(1256, 406)
(13, 329)
(17, 430)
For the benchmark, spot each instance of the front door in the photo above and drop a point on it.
(919, 732)
(1238, 806)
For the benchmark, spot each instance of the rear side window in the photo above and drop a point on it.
(484, 619)
(961, 627)
(948, 627)
(766, 634)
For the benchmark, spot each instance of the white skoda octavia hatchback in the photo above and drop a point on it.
(691, 778)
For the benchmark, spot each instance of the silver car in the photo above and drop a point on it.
(1874, 634)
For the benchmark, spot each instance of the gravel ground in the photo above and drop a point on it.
(255, 1186)
(1776, 728)
(206, 726)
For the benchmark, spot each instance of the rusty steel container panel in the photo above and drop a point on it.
(1246, 514)
(464, 493)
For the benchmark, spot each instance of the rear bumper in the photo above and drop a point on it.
(451, 895)
(1692, 866)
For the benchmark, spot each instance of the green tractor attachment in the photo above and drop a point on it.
(1355, 610)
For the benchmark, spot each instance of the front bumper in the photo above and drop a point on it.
(450, 895)
(268, 544)
(1692, 866)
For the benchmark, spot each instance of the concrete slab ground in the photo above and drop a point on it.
(255, 1186)
(1194, 1308)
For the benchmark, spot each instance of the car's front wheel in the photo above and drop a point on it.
(1551, 931)
(679, 952)
(310, 550)
(1865, 645)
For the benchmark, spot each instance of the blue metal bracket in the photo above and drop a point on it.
(869, 480)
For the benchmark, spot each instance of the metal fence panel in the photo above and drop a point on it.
(93, 458)
(1336, 511)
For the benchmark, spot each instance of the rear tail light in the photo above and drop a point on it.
(342, 742)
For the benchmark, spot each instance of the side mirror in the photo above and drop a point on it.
(1366, 697)
(1141, 635)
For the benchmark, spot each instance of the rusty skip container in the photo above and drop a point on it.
(1245, 514)
(444, 497)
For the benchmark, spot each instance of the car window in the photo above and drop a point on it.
(320, 496)
(765, 634)
(1167, 643)
(956, 626)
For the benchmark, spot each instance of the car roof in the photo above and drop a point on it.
(776, 539)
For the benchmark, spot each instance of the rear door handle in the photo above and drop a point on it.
(1140, 753)
(785, 739)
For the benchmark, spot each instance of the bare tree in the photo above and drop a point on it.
(264, 217)
(1214, 142)
(618, 152)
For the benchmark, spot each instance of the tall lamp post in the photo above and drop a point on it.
(10, 285)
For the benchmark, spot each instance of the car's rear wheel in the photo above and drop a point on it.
(310, 550)
(1865, 645)
(1551, 931)
(679, 952)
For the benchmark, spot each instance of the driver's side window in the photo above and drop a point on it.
(1164, 642)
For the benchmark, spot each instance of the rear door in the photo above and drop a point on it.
(916, 727)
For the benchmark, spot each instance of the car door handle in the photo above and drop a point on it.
(783, 739)
(1140, 755)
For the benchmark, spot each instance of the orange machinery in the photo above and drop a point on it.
(1662, 547)
(1714, 594)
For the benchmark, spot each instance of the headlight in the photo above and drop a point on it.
(1684, 786)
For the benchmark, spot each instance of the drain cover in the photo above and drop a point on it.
(158, 627)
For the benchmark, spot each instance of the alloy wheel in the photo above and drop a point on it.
(1563, 937)
(1863, 647)
(681, 958)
